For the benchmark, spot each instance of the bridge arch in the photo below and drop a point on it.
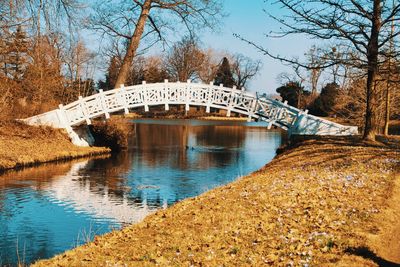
(104, 103)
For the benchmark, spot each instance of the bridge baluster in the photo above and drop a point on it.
(123, 99)
(63, 118)
(166, 94)
(86, 115)
(104, 103)
(209, 96)
(253, 107)
(144, 97)
(231, 99)
(188, 95)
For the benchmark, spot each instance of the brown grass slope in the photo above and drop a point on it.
(322, 203)
(24, 145)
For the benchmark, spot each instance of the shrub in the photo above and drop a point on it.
(113, 133)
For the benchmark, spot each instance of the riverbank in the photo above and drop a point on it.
(321, 202)
(182, 114)
(22, 145)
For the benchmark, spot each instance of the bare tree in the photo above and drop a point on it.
(389, 76)
(80, 63)
(244, 69)
(210, 65)
(138, 19)
(315, 60)
(154, 70)
(361, 25)
(185, 60)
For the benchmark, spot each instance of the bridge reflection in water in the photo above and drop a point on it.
(47, 208)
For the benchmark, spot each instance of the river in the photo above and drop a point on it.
(51, 208)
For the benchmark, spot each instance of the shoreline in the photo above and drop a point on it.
(189, 116)
(27, 146)
(23, 146)
(60, 159)
(317, 211)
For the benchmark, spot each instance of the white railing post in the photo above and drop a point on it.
(104, 103)
(209, 96)
(231, 98)
(187, 95)
(82, 105)
(123, 98)
(144, 97)
(270, 124)
(252, 109)
(166, 94)
(63, 118)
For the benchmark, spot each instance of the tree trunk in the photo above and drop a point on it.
(387, 104)
(133, 44)
(371, 118)
(387, 107)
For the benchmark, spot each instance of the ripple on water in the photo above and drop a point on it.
(165, 164)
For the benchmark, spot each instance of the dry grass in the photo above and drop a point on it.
(321, 203)
(218, 118)
(23, 145)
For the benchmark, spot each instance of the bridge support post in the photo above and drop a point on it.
(187, 95)
(166, 94)
(270, 123)
(252, 109)
(209, 97)
(231, 99)
(73, 135)
(123, 99)
(84, 110)
(144, 97)
(62, 117)
(299, 124)
(104, 104)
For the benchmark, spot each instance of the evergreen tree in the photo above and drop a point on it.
(14, 50)
(111, 75)
(327, 99)
(224, 74)
(293, 93)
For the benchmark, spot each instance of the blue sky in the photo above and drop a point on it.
(247, 18)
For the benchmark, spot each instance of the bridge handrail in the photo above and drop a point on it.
(209, 95)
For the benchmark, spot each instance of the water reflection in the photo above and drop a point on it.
(51, 208)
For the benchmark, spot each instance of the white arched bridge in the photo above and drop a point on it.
(289, 118)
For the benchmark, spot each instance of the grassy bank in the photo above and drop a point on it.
(24, 145)
(324, 202)
(113, 133)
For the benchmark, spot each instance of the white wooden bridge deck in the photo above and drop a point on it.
(189, 94)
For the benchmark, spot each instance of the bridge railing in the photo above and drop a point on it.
(188, 94)
(210, 96)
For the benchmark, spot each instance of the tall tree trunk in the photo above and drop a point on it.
(387, 104)
(133, 44)
(371, 118)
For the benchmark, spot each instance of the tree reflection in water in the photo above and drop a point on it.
(46, 208)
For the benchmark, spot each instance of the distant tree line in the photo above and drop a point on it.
(362, 50)
(339, 91)
(41, 64)
(186, 60)
(45, 59)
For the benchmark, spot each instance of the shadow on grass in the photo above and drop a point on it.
(368, 254)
